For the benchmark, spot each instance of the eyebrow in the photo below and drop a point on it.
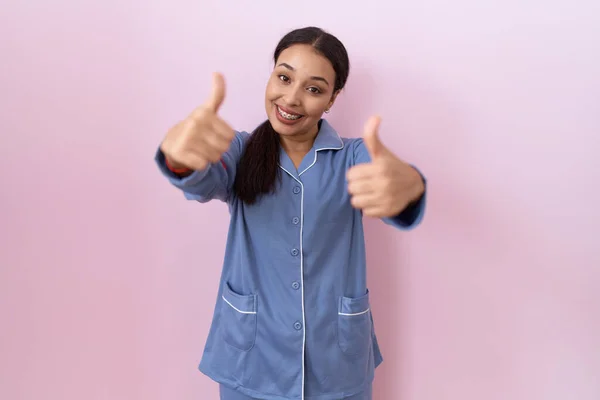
(315, 78)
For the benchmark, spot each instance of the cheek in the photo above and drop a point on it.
(272, 91)
(268, 92)
(315, 106)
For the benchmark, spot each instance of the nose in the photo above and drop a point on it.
(293, 95)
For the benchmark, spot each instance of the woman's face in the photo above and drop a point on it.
(299, 90)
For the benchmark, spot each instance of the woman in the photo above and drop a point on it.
(292, 318)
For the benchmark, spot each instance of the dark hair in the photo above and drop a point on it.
(258, 167)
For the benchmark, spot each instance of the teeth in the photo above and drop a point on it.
(286, 115)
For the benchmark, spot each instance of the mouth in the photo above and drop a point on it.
(287, 115)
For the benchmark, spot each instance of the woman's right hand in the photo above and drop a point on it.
(201, 138)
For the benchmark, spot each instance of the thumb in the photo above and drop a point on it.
(371, 137)
(217, 94)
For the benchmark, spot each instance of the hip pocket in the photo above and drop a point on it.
(238, 318)
(354, 325)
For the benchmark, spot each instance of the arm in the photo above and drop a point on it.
(412, 215)
(215, 181)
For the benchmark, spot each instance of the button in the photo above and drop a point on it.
(296, 189)
(295, 220)
(297, 325)
(296, 285)
(295, 252)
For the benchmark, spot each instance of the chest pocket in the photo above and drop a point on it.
(238, 318)
(354, 325)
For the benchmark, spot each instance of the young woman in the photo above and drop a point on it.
(292, 318)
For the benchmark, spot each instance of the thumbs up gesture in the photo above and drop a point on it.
(386, 185)
(203, 136)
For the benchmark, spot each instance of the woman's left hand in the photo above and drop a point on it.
(385, 186)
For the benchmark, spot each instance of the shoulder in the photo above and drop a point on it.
(355, 149)
(352, 143)
(241, 139)
(242, 136)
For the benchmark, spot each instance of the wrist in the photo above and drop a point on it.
(419, 186)
(177, 168)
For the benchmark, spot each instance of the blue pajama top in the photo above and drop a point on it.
(292, 318)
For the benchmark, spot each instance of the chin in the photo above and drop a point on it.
(282, 129)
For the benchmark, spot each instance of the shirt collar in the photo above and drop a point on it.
(327, 138)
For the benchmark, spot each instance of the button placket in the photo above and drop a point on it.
(295, 252)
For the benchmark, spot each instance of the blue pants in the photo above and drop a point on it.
(231, 394)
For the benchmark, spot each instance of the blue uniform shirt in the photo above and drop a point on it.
(292, 318)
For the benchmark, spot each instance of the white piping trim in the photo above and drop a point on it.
(237, 309)
(302, 251)
(354, 314)
(301, 274)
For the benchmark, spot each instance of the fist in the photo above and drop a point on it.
(386, 185)
(201, 138)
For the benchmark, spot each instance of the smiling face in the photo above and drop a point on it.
(299, 90)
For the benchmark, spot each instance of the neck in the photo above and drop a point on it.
(301, 143)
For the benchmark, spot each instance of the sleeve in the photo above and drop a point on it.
(215, 181)
(412, 215)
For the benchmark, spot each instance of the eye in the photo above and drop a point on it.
(314, 90)
(283, 78)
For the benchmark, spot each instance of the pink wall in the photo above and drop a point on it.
(108, 276)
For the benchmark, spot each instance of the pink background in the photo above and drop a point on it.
(108, 276)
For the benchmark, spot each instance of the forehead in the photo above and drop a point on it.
(305, 60)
